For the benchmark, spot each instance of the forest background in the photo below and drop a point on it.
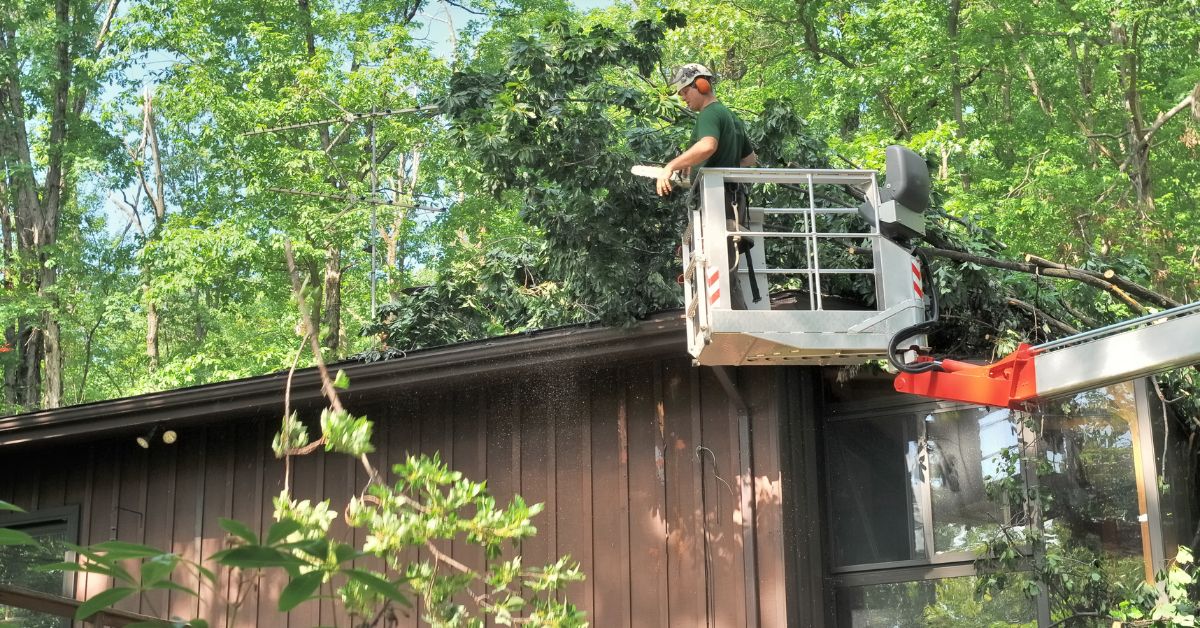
(458, 169)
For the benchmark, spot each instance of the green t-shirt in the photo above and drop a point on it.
(716, 120)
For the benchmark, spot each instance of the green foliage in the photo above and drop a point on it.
(562, 122)
(345, 433)
(483, 289)
(1036, 553)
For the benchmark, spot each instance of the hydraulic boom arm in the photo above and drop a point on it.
(1146, 345)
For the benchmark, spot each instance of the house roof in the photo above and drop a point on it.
(660, 334)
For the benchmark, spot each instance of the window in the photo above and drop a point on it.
(54, 529)
(909, 486)
(909, 507)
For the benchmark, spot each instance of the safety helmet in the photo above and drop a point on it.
(685, 75)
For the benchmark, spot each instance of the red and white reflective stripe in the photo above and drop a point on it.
(714, 287)
(916, 270)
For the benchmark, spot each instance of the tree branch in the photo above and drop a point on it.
(1038, 313)
(1069, 273)
(1112, 277)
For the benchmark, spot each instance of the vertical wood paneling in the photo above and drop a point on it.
(187, 540)
(339, 486)
(768, 498)
(8, 475)
(101, 520)
(308, 482)
(470, 458)
(610, 501)
(647, 479)
(217, 502)
(160, 516)
(722, 503)
(638, 465)
(378, 460)
(131, 506)
(25, 471)
(685, 510)
(436, 441)
(245, 499)
(52, 487)
(272, 485)
(404, 439)
(503, 456)
(574, 486)
(537, 466)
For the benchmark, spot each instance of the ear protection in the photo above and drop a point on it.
(703, 85)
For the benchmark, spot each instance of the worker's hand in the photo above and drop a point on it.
(663, 184)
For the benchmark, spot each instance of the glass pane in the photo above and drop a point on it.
(1089, 474)
(873, 476)
(17, 564)
(941, 603)
(964, 453)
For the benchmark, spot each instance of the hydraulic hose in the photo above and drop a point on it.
(931, 321)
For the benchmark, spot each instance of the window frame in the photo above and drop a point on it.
(66, 516)
(910, 410)
(958, 564)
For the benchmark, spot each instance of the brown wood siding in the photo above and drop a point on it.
(638, 465)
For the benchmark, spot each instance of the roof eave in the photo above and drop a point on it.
(659, 335)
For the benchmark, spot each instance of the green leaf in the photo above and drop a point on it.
(301, 588)
(61, 567)
(157, 569)
(377, 585)
(173, 586)
(9, 536)
(255, 556)
(10, 507)
(102, 600)
(240, 530)
(120, 550)
(281, 530)
(344, 553)
(317, 548)
(342, 380)
(206, 573)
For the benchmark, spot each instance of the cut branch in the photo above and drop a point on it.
(1069, 273)
(1112, 277)
(1040, 314)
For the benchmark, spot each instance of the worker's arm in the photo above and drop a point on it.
(749, 161)
(696, 155)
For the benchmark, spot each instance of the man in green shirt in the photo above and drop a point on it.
(719, 140)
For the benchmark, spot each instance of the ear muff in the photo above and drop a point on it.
(703, 85)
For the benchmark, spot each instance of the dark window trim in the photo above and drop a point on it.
(68, 515)
(895, 573)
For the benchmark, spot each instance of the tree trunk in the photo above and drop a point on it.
(27, 384)
(1139, 148)
(37, 215)
(956, 87)
(394, 257)
(157, 196)
(331, 320)
(151, 331)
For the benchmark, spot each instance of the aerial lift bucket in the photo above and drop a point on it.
(815, 328)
